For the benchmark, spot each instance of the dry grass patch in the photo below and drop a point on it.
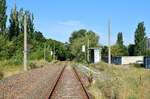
(125, 83)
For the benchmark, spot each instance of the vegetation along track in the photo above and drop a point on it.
(69, 86)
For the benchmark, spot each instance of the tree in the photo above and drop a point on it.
(116, 50)
(21, 20)
(148, 52)
(80, 38)
(120, 39)
(140, 39)
(30, 25)
(77, 34)
(131, 49)
(119, 49)
(104, 51)
(3, 16)
(14, 24)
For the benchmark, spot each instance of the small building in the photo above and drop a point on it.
(94, 55)
(147, 62)
(125, 60)
(148, 43)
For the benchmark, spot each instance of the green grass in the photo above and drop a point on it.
(127, 82)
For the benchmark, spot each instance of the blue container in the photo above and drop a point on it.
(147, 62)
(116, 60)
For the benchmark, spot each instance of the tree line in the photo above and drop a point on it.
(39, 47)
(139, 47)
(11, 37)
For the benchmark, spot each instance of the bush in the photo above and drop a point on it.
(137, 65)
(1, 75)
(32, 66)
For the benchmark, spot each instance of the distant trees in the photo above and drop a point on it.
(140, 45)
(131, 49)
(80, 38)
(104, 51)
(119, 49)
(137, 49)
(120, 39)
(3, 17)
(14, 24)
(11, 45)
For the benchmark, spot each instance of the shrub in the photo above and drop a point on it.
(32, 66)
(1, 75)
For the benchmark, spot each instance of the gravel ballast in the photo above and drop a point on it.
(34, 84)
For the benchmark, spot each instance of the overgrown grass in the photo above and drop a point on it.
(37, 64)
(127, 82)
(11, 67)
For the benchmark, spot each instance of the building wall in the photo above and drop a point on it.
(97, 56)
(148, 43)
(131, 59)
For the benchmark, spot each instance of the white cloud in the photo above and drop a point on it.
(62, 30)
(72, 23)
(66, 26)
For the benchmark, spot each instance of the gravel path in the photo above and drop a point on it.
(68, 86)
(35, 84)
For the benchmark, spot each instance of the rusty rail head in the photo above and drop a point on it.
(79, 78)
(56, 82)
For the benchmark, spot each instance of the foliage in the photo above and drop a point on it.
(3, 17)
(14, 24)
(104, 50)
(1, 75)
(11, 46)
(131, 49)
(77, 34)
(140, 44)
(148, 52)
(117, 50)
(80, 38)
(120, 39)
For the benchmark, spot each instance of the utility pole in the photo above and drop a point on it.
(54, 51)
(45, 52)
(88, 45)
(25, 43)
(109, 42)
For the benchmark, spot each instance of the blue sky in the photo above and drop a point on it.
(58, 18)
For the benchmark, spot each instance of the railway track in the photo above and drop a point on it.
(68, 86)
(55, 81)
